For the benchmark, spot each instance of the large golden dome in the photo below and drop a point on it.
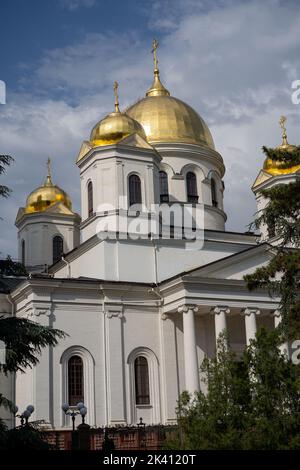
(168, 119)
(115, 126)
(46, 196)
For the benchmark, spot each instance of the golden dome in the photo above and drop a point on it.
(46, 196)
(168, 119)
(115, 126)
(274, 166)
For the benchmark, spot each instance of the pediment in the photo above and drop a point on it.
(84, 149)
(135, 140)
(235, 266)
(59, 208)
(20, 213)
(261, 178)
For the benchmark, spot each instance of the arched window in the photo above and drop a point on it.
(75, 380)
(141, 373)
(214, 198)
(58, 248)
(23, 252)
(191, 187)
(90, 199)
(163, 186)
(135, 192)
(78, 366)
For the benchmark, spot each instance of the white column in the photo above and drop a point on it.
(250, 323)
(190, 351)
(220, 313)
(284, 347)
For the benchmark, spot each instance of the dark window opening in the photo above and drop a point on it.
(23, 252)
(163, 186)
(214, 199)
(90, 199)
(75, 380)
(142, 393)
(58, 248)
(191, 186)
(135, 192)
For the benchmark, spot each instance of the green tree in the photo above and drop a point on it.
(8, 267)
(250, 403)
(23, 338)
(281, 276)
(5, 160)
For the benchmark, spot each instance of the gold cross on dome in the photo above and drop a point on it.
(49, 166)
(48, 181)
(282, 122)
(116, 86)
(154, 49)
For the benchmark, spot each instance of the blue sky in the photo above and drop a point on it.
(233, 61)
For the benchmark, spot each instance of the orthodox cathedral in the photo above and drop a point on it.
(141, 310)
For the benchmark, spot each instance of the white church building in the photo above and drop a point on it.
(141, 309)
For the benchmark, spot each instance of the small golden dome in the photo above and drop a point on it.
(115, 126)
(274, 166)
(46, 196)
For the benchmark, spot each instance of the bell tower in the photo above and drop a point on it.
(275, 172)
(47, 226)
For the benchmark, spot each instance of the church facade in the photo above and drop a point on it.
(141, 307)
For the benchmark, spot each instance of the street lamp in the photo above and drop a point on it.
(73, 411)
(24, 417)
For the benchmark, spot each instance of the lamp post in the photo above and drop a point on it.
(142, 436)
(79, 409)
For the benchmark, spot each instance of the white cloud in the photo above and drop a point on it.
(234, 65)
(75, 4)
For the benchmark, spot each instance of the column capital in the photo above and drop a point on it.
(219, 309)
(250, 310)
(276, 313)
(187, 308)
(113, 311)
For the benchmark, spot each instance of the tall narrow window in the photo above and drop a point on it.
(23, 252)
(191, 187)
(214, 198)
(135, 192)
(142, 393)
(58, 248)
(90, 199)
(163, 186)
(75, 380)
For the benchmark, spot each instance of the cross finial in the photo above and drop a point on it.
(116, 86)
(154, 49)
(282, 122)
(49, 179)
